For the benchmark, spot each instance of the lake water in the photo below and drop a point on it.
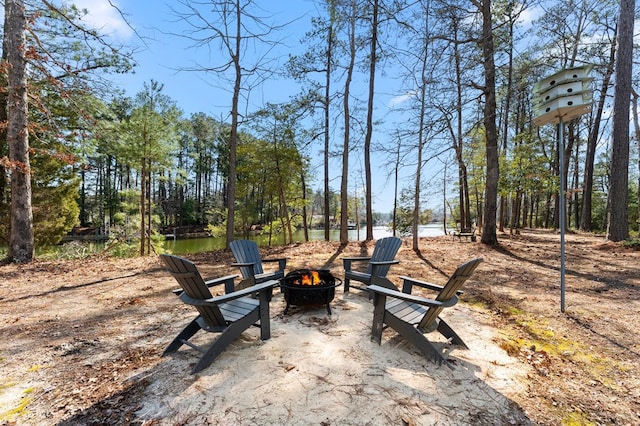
(196, 245)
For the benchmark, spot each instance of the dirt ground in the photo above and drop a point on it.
(80, 343)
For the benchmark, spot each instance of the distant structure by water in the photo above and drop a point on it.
(430, 230)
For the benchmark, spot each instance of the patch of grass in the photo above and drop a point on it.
(513, 310)
(511, 347)
(475, 302)
(7, 385)
(633, 243)
(576, 419)
(540, 337)
(35, 368)
(19, 410)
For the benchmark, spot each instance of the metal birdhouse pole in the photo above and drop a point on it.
(560, 98)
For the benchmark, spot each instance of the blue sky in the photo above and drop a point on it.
(161, 56)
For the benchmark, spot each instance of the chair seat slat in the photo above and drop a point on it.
(405, 312)
(229, 314)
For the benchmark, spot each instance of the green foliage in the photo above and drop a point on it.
(65, 62)
(525, 169)
(217, 229)
(632, 243)
(150, 129)
(270, 170)
(54, 187)
(189, 212)
(69, 250)
(54, 191)
(123, 248)
(404, 213)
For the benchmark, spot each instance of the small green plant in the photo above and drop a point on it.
(19, 410)
(633, 243)
(217, 230)
(68, 251)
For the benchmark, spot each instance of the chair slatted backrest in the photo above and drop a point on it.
(385, 250)
(189, 278)
(246, 251)
(459, 277)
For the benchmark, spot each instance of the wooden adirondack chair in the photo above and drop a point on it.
(250, 263)
(230, 314)
(412, 316)
(379, 264)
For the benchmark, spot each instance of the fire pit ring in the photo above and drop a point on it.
(308, 287)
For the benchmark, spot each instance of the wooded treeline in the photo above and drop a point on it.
(461, 122)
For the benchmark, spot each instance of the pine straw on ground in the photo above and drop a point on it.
(65, 357)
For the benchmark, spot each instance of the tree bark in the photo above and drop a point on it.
(489, 235)
(21, 239)
(618, 228)
(636, 129)
(327, 118)
(344, 189)
(592, 141)
(233, 138)
(369, 132)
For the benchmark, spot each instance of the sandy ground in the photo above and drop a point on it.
(80, 343)
(325, 370)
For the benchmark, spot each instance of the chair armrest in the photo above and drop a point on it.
(225, 280)
(356, 258)
(282, 262)
(411, 298)
(386, 262)
(214, 282)
(231, 296)
(250, 265)
(346, 261)
(376, 265)
(240, 265)
(409, 282)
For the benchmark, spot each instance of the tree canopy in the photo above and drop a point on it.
(460, 131)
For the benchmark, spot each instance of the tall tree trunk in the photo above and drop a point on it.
(21, 240)
(143, 216)
(5, 194)
(421, 131)
(592, 141)
(489, 235)
(396, 169)
(327, 118)
(305, 221)
(636, 128)
(369, 132)
(149, 209)
(233, 137)
(505, 119)
(618, 228)
(575, 182)
(344, 189)
(458, 138)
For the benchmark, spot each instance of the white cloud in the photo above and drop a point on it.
(401, 99)
(529, 15)
(104, 17)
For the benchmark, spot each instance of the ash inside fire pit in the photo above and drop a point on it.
(308, 287)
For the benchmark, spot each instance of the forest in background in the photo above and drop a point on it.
(134, 167)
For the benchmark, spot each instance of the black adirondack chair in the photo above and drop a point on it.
(412, 316)
(378, 265)
(250, 263)
(229, 315)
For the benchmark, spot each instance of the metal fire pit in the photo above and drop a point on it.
(300, 289)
